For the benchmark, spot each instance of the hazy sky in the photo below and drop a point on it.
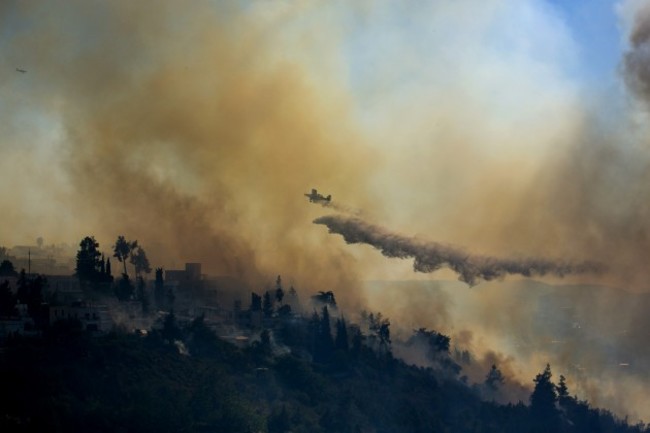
(469, 122)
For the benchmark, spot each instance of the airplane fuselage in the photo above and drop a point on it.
(315, 197)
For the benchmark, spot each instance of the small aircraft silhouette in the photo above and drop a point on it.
(315, 197)
(22, 71)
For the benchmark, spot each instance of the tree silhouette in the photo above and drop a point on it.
(279, 293)
(293, 299)
(122, 250)
(561, 388)
(7, 300)
(91, 266)
(341, 342)
(542, 403)
(324, 340)
(380, 327)
(256, 302)
(7, 269)
(140, 261)
(384, 332)
(267, 305)
(436, 342)
(30, 292)
(284, 311)
(159, 288)
(88, 260)
(563, 397)
(494, 378)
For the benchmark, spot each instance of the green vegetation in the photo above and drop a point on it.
(297, 377)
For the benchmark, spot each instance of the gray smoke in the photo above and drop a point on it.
(637, 59)
(431, 256)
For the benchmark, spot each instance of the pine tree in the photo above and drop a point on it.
(267, 306)
(494, 378)
(108, 275)
(279, 293)
(88, 260)
(325, 342)
(542, 403)
(256, 302)
(563, 396)
(341, 342)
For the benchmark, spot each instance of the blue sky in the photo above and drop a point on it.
(394, 45)
(594, 26)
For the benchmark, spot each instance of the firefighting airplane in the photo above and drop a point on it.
(315, 197)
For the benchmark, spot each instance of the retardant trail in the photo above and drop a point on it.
(431, 256)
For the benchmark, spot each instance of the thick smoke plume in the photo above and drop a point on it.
(182, 127)
(431, 256)
(637, 60)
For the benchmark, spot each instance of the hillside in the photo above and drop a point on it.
(184, 378)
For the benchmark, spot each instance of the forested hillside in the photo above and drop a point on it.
(298, 377)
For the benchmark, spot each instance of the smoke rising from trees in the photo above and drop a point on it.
(431, 256)
(197, 130)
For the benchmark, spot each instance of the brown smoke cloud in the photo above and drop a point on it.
(193, 129)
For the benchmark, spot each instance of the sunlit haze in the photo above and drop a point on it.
(502, 143)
